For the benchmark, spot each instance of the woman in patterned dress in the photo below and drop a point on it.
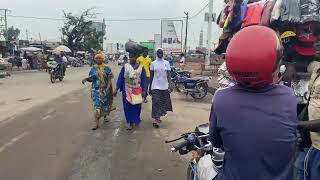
(101, 89)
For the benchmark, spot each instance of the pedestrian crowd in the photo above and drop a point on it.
(138, 79)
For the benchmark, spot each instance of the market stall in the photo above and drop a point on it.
(296, 21)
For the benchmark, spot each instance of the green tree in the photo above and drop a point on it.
(93, 40)
(12, 33)
(78, 32)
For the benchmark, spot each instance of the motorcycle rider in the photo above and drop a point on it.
(255, 121)
(65, 61)
(60, 60)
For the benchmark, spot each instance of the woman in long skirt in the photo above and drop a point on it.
(132, 82)
(159, 88)
(101, 89)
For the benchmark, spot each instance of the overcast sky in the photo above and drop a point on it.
(109, 9)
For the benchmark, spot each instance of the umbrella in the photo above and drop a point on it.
(62, 49)
(32, 49)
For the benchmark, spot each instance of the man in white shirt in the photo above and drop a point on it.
(182, 61)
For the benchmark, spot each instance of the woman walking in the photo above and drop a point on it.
(132, 82)
(101, 89)
(159, 88)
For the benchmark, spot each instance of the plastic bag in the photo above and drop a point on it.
(206, 169)
(134, 96)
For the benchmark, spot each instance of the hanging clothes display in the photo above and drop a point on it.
(290, 11)
(275, 15)
(239, 12)
(317, 46)
(310, 10)
(253, 15)
(267, 11)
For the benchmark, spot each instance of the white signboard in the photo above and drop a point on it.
(157, 40)
(170, 39)
(98, 26)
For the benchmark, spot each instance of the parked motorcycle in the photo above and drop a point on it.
(202, 151)
(176, 71)
(196, 87)
(55, 71)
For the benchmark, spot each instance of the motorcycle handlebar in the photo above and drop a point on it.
(313, 126)
(174, 140)
(179, 146)
(187, 142)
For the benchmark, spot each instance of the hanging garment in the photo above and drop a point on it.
(239, 12)
(267, 11)
(290, 11)
(317, 46)
(275, 15)
(253, 15)
(310, 10)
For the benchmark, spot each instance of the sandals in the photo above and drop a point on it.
(130, 128)
(95, 128)
(156, 125)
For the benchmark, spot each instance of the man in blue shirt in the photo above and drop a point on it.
(255, 121)
(59, 60)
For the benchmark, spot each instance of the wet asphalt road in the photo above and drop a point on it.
(54, 142)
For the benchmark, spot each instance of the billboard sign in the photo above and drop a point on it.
(170, 41)
(99, 26)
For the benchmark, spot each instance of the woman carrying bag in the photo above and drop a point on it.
(132, 82)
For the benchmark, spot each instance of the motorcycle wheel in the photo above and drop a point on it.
(190, 173)
(178, 87)
(201, 93)
(52, 78)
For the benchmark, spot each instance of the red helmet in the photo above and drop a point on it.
(253, 55)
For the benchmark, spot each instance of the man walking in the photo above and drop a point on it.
(145, 61)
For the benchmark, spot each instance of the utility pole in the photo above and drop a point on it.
(27, 35)
(4, 23)
(103, 31)
(186, 38)
(41, 42)
(209, 31)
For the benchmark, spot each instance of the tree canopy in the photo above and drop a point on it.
(12, 33)
(79, 33)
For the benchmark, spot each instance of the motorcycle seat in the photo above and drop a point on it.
(192, 80)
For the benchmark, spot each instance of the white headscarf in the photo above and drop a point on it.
(157, 58)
